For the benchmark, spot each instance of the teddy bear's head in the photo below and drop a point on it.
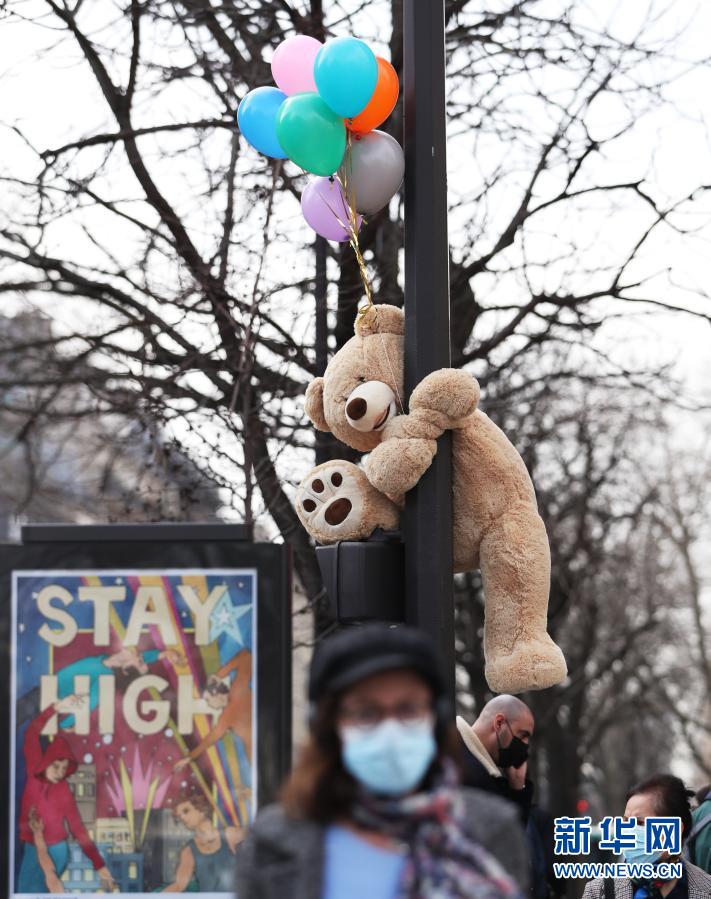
(363, 384)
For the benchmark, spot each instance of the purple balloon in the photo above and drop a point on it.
(325, 208)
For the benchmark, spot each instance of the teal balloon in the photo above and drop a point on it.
(257, 118)
(346, 73)
(312, 135)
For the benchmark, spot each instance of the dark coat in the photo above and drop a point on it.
(281, 857)
(475, 775)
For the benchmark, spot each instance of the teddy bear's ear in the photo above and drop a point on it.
(313, 404)
(380, 319)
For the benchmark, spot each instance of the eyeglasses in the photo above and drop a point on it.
(370, 716)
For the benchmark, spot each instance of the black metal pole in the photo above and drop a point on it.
(428, 517)
(320, 295)
(323, 448)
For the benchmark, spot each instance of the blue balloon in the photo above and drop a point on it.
(256, 117)
(346, 72)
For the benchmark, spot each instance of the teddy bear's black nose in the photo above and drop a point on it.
(356, 408)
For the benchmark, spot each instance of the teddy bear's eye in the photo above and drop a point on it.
(361, 379)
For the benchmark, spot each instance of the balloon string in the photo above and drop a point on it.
(392, 373)
(352, 227)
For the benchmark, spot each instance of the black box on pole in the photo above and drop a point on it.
(364, 581)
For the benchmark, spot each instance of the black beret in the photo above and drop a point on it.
(358, 652)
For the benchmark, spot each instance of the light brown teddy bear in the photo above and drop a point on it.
(496, 523)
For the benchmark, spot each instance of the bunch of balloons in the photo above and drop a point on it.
(322, 115)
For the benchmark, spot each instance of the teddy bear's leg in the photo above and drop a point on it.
(335, 501)
(515, 567)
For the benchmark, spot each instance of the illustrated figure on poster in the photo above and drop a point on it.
(209, 857)
(235, 701)
(47, 796)
(125, 660)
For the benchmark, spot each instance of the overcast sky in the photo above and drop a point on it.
(48, 94)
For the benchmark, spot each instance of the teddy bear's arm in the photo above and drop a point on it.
(440, 401)
(396, 465)
(450, 392)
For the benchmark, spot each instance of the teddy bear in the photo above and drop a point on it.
(496, 525)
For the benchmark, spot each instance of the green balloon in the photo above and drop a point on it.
(311, 134)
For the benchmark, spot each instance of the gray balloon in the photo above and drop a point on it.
(372, 171)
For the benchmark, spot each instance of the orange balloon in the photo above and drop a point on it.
(381, 104)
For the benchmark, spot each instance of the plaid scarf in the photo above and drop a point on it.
(444, 862)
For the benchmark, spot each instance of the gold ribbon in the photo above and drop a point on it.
(352, 227)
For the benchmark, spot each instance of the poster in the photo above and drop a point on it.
(133, 697)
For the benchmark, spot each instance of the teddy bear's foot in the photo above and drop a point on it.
(335, 501)
(534, 664)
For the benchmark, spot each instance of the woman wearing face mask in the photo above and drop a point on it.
(662, 795)
(373, 808)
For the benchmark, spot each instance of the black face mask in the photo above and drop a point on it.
(513, 755)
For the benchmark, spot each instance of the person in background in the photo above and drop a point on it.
(496, 760)
(540, 836)
(496, 757)
(373, 807)
(698, 845)
(661, 795)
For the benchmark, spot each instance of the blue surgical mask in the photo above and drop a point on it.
(638, 856)
(391, 758)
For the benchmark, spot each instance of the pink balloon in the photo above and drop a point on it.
(293, 64)
(325, 208)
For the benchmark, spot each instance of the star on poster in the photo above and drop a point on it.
(225, 619)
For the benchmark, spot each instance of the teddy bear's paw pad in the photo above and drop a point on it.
(329, 503)
(533, 665)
